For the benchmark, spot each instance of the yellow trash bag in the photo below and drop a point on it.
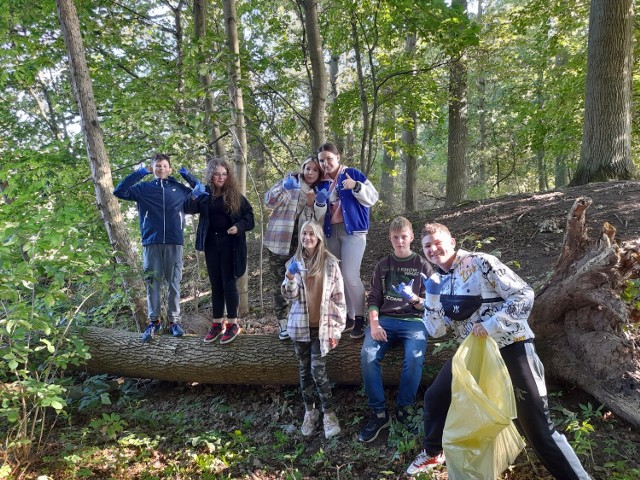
(480, 441)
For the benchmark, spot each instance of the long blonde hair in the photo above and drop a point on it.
(315, 262)
(230, 191)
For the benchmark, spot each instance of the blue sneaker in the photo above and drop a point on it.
(151, 331)
(176, 329)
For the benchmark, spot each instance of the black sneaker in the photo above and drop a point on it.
(349, 325)
(358, 328)
(376, 423)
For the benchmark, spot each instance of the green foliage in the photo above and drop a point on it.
(476, 242)
(55, 261)
(109, 425)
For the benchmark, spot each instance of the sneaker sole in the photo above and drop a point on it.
(356, 335)
(284, 337)
(386, 425)
(426, 469)
(204, 340)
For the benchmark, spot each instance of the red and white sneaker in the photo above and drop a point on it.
(230, 333)
(425, 462)
(214, 332)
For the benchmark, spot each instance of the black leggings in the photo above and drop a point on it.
(219, 256)
(534, 421)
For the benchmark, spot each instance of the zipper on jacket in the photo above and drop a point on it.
(164, 215)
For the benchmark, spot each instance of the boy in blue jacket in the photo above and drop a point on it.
(161, 210)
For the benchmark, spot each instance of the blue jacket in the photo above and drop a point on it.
(355, 206)
(160, 207)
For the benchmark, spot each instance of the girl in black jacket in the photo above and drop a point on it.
(225, 216)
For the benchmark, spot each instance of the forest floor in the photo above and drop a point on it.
(156, 429)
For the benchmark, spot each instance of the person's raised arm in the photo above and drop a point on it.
(124, 190)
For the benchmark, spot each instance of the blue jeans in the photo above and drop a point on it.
(413, 336)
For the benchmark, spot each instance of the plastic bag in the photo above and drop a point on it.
(480, 441)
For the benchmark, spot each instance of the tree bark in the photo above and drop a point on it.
(582, 324)
(482, 112)
(409, 140)
(200, 30)
(256, 359)
(334, 67)
(539, 134)
(319, 73)
(98, 161)
(606, 136)
(457, 140)
(364, 102)
(179, 39)
(238, 128)
(387, 175)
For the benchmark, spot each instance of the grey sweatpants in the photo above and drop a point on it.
(349, 249)
(162, 263)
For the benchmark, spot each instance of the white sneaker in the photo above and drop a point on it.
(282, 326)
(331, 425)
(310, 422)
(425, 462)
(283, 335)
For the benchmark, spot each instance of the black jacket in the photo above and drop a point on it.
(243, 220)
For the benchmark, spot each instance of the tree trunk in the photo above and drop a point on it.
(319, 73)
(334, 66)
(200, 29)
(457, 139)
(100, 169)
(582, 324)
(606, 136)
(482, 113)
(364, 103)
(560, 171)
(237, 122)
(179, 39)
(256, 359)
(409, 139)
(387, 175)
(539, 134)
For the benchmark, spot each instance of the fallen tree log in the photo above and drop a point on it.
(249, 359)
(585, 333)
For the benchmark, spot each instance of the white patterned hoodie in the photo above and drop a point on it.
(480, 288)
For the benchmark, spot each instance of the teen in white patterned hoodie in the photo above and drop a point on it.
(475, 293)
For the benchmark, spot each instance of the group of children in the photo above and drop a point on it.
(316, 240)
